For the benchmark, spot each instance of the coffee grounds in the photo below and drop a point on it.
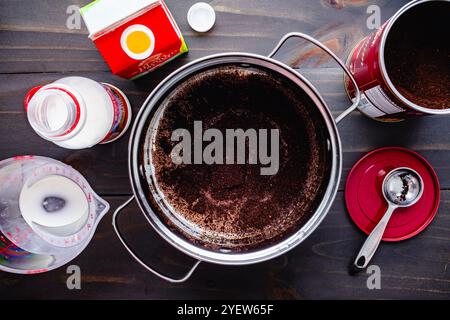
(234, 206)
(417, 55)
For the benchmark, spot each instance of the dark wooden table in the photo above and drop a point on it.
(36, 47)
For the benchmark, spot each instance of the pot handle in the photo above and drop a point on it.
(336, 58)
(134, 255)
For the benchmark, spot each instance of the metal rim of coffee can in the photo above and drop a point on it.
(383, 33)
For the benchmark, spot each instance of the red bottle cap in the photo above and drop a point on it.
(366, 204)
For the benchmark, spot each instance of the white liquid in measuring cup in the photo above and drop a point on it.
(78, 113)
(54, 203)
(48, 214)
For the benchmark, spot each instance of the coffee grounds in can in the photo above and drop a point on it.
(418, 58)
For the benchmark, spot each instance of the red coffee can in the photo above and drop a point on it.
(400, 81)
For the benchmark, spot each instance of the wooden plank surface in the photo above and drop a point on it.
(36, 47)
(417, 268)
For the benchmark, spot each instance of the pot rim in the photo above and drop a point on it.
(382, 62)
(136, 171)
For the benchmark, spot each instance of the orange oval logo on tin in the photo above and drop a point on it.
(138, 42)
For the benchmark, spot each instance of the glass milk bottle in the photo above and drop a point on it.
(78, 113)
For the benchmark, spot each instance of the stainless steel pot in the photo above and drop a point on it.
(136, 170)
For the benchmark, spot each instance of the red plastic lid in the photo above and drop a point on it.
(366, 204)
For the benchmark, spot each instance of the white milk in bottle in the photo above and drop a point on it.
(78, 113)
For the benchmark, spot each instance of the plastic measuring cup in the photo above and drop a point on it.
(48, 214)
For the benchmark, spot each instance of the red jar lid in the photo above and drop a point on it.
(366, 204)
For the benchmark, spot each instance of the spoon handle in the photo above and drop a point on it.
(370, 246)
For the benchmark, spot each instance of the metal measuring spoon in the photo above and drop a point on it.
(402, 188)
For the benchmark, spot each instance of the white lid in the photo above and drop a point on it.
(201, 17)
(102, 14)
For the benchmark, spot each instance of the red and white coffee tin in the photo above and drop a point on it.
(380, 99)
